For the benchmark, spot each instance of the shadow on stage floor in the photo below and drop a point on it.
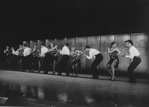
(34, 89)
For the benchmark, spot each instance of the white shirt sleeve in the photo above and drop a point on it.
(43, 51)
(16, 52)
(65, 51)
(13, 52)
(92, 53)
(132, 52)
(26, 52)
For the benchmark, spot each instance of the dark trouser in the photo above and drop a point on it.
(14, 62)
(35, 63)
(45, 62)
(94, 65)
(26, 62)
(136, 61)
(63, 64)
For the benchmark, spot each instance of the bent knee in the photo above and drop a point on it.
(129, 69)
(107, 66)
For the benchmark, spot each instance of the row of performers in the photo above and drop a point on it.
(45, 57)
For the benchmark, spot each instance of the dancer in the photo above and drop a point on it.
(97, 56)
(114, 60)
(26, 60)
(36, 57)
(134, 55)
(44, 58)
(64, 60)
(8, 55)
(75, 54)
(16, 58)
(20, 55)
(21, 50)
(54, 56)
(7, 51)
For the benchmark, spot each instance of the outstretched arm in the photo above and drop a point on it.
(79, 52)
(110, 51)
(55, 47)
(119, 52)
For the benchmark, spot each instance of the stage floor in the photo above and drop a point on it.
(24, 88)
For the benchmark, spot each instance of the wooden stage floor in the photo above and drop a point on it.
(34, 89)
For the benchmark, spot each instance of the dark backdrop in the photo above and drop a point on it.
(44, 19)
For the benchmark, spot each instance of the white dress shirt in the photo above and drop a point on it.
(65, 51)
(92, 53)
(133, 52)
(15, 52)
(27, 51)
(43, 51)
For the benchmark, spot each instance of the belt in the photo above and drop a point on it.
(98, 54)
(137, 56)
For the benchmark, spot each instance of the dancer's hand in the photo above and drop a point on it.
(85, 55)
(123, 55)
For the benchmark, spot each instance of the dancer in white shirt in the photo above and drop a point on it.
(26, 60)
(97, 56)
(64, 60)
(134, 55)
(44, 58)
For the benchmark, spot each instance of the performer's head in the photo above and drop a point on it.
(12, 48)
(87, 48)
(25, 45)
(67, 44)
(113, 45)
(128, 43)
(20, 46)
(7, 47)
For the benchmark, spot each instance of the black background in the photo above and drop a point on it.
(42, 19)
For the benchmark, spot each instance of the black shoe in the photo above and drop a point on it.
(59, 74)
(67, 75)
(132, 81)
(72, 75)
(95, 78)
(45, 72)
(112, 79)
(53, 73)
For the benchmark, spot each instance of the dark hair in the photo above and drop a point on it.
(50, 45)
(129, 41)
(67, 44)
(24, 44)
(87, 46)
(112, 43)
(42, 44)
